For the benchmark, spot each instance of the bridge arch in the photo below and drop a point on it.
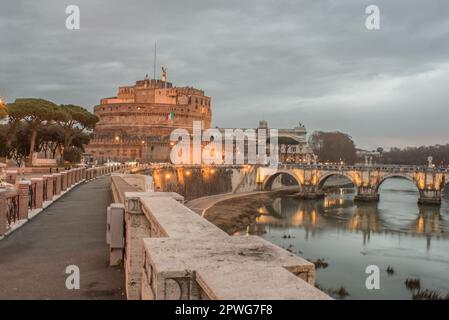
(268, 182)
(396, 175)
(326, 176)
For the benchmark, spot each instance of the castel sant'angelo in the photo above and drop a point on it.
(136, 124)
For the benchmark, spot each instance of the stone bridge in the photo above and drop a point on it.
(366, 179)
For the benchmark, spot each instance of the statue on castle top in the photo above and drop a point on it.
(164, 74)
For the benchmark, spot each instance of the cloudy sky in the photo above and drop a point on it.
(289, 61)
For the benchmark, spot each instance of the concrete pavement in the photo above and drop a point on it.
(71, 231)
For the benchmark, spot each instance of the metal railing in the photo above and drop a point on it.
(12, 209)
(45, 187)
(32, 196)
(54, 185)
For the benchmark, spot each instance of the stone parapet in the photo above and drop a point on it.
(261, 270)
(24, 187)
(184, 256)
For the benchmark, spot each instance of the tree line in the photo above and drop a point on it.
(335, 147)
(417, 155)
(31, 125)
(338, 146)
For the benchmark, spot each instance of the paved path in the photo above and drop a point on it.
(71, 231)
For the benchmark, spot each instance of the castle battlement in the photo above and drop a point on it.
(158, 92)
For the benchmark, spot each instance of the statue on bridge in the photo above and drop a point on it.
(368, 161)
(429, 161)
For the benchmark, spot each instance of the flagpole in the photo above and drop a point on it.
(154, 62)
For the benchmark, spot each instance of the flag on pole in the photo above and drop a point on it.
(171, 116)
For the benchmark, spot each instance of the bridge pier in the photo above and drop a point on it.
(310, 192)
(366, 194)
(430, 197)
(310, 195)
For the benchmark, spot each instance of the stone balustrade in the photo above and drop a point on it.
(30, 197)
(173, 253)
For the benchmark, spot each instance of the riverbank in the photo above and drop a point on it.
(237, 214)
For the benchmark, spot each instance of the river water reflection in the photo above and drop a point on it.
(396, 232)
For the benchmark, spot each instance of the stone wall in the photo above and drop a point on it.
(199, 181)
(173, 253)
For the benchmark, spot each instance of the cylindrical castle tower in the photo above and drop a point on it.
(136, 124)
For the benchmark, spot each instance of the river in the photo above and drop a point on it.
(395, 232)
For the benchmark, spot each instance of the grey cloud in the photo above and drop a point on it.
(285, 61)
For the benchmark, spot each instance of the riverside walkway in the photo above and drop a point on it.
(71, 231)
